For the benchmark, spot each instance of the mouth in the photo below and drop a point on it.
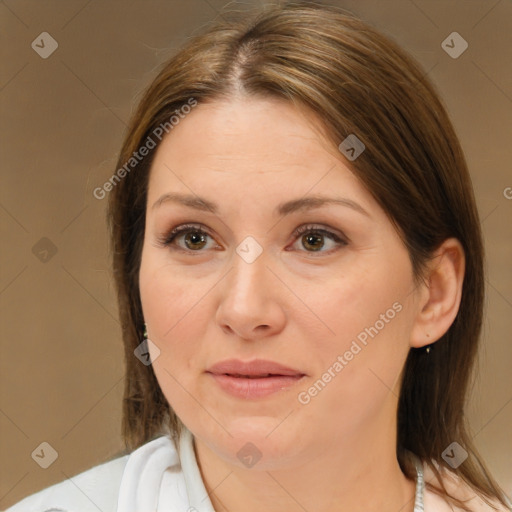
(253, 379)
(238, 376)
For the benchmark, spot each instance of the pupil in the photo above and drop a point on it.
(310, 240)
(194, 238)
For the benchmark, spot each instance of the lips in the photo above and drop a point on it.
(259, 368)
(253, 379)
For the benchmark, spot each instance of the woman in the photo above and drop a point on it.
(299, 267)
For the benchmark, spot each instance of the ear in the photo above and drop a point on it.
(440, 294)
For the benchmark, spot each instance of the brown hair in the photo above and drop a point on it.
(358, 82)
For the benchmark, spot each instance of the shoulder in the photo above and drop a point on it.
(114, 485)
(96, 488)
(458, 489)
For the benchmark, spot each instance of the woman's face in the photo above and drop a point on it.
(334, 304)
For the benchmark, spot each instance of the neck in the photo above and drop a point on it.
(355, 474)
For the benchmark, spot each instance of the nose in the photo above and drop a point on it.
(251, 304)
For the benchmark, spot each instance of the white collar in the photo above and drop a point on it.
(155, 479)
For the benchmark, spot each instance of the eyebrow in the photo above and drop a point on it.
(286, 208)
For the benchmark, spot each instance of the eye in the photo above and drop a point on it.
(313, 237)
(193, 236)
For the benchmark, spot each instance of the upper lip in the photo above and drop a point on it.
(256, 367)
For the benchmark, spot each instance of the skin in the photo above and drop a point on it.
(293, 305)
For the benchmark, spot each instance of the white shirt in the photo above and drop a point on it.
(152, 479)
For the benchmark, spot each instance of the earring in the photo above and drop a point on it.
(145, 332)
(427, 350)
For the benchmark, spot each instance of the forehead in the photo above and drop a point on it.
(251, 149)
(242, 128)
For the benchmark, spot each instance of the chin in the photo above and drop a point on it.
(256, 442)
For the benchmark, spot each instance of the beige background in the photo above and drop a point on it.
(62, 124)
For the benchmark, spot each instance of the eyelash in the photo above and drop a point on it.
(169, 238)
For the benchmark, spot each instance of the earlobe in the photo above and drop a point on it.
(440, 295)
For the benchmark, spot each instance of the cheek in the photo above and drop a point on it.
(359, 374)
(367, 302)
(373, 343)
(171, 305)
(167, 295)
(370, 313)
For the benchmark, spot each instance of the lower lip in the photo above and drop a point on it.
(255, 388)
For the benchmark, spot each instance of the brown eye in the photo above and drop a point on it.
(195, 238)
(313, 239)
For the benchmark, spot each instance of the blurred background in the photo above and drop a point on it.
(72, 71)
